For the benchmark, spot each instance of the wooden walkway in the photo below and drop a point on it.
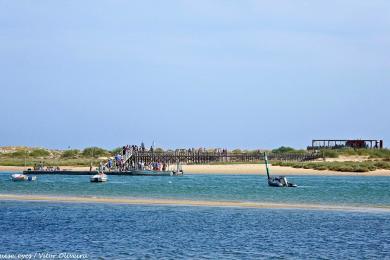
(199, 157)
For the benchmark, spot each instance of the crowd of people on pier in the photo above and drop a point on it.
(135, 148)
(41, 167)
(119, 162)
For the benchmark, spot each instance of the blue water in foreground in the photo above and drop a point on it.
(108, 231)
(161, 232)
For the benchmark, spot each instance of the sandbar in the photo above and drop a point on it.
(196, 203)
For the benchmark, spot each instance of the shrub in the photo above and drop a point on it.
(70, 153)
(320, 168)
(39, 153)
(283, 149)
(361, 169)
(330, 154)
(18, 154)
(94, 152)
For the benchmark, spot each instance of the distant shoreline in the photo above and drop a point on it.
(235, 169)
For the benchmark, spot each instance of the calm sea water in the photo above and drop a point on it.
(155, 232)
(108, 231)
(313, 189)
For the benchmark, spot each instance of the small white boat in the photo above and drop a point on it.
(22, 177)
(100, 177)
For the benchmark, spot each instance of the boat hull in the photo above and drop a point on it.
(275, 184)
(22, 177)
(280, 182)
(151, 173)
(98, 178)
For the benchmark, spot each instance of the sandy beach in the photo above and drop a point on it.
(179, 202)
(276, 170)
(235, 169)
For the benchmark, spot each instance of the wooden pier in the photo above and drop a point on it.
(118, 173)
(134, 159)
(205, 157)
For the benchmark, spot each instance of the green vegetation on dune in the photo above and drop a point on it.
(31, 156)
(330, 154)
(28, 153)
(335, 153)
(95, 152)
(17, 154)
(371, 153)
(286, 149)
(365, 166)
(70, 154)
(39, 153)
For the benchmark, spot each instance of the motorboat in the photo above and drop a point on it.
(22, 177)
(280, 181)
(100, 177)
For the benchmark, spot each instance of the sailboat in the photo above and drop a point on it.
(280, 181)
(179, 169)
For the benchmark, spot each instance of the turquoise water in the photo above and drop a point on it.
(334, 190)
(109, 231)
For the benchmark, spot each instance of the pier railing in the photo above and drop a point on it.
(205, 157)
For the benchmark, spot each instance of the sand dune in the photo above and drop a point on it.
(276, 170)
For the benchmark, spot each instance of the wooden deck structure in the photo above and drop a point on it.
(204, 157)
(345, 143)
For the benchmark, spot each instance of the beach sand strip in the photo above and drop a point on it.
(198, 203)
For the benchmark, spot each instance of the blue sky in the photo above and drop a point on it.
(248, 74)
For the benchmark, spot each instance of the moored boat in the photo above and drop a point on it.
(279, 181)
(100, 177)
(22, 177)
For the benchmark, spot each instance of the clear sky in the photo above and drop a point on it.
(248, 74)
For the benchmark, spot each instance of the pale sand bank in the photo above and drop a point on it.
(196, 203)
(275, 170)
(235, 169)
